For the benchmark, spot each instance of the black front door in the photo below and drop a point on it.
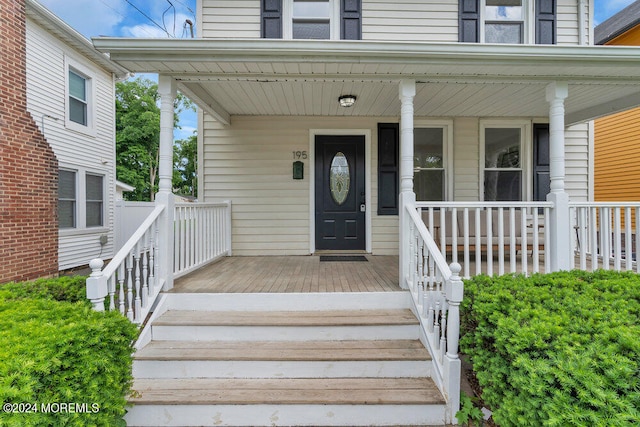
(340, 192)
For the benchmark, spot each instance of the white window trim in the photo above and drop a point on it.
(89, 75)
(526, 144)
(81, 201)
(528, 30)
(447, 150)
(287, 20)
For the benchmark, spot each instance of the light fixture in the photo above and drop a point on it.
(347, 100)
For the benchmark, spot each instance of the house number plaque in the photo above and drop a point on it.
(297, 155)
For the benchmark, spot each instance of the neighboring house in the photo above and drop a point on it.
(71, 96)
(28, 166)
(440, 132)
(617, 137)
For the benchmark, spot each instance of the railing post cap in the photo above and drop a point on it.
(456, 268)
(96, 265)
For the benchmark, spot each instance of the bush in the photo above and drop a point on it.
(62, 359)
(561, 349)
(71, 289)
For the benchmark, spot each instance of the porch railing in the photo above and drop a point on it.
(132, 280)
(437, 292)
(606, 235)
(490, 237)
(202, 234)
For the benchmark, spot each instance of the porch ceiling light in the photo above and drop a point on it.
(347, 100)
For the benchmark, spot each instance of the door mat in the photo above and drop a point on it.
(334, 258)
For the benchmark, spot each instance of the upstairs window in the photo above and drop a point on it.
(507, 21)
(78, 100)
(504, 21)
(311, 19)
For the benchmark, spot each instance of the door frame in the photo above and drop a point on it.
(312, 178)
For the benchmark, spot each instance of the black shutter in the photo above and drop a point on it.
(271, 18)
(350, 19)
(388, 168)
(469, 21)
(545, 21)
(541, 162)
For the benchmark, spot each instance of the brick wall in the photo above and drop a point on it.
(28, 167)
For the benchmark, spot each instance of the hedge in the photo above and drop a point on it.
(61, 363)
(561, 349)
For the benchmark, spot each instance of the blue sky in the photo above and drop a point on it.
(166, 18)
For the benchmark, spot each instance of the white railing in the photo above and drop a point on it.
(606, 235)
(130, 282)
(202, 234)
(490, 237)
(437, 292)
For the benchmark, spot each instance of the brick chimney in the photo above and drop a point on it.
(28, 166)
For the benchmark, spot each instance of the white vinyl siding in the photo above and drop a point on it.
(405, 20)
(410, 20)
(230, 19)
(79, 151)
(250, 163)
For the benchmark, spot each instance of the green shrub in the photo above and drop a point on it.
(55, 353)
(561, 349)
(70, 289)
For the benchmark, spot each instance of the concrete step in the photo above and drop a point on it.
(292, 359)
(286, 401)
(184, 325)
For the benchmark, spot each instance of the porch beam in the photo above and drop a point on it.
(560, 222)
(407, 92)
(203, 98)
(617, 105)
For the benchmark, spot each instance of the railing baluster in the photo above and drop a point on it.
(524, 240)
(130, 287)
(628, 250)
(137, 273)
(145, 270)
(489, 242)
(535, 253)
(512, 239)
(121, 279)
(478, 228)
(617, 241)
(465, 228)
(111, 284)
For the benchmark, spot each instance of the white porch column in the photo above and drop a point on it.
(167, 91)
(407, 196)
(560, 221)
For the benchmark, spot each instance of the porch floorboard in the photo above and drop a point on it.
(290, 274)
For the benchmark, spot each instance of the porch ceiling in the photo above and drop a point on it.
(280, 77)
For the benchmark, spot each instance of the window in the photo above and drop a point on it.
(504, 21)
(311, 19)
(503, 163)
(67, 199)
(78, 98)
(429, 163)
(80, 199)
(94, 200)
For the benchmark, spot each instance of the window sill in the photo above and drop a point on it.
(66, 232)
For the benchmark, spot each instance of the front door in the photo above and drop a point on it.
(340, 192)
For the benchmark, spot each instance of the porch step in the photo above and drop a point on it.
(337, 366)
(286, 325)
(277, 359)
(242, 402)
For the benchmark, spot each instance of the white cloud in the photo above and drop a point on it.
(90, 18)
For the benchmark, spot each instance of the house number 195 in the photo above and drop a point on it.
(299, 154)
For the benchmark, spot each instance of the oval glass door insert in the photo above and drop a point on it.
(339, 178)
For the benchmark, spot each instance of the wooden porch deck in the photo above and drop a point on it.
(282, 274)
